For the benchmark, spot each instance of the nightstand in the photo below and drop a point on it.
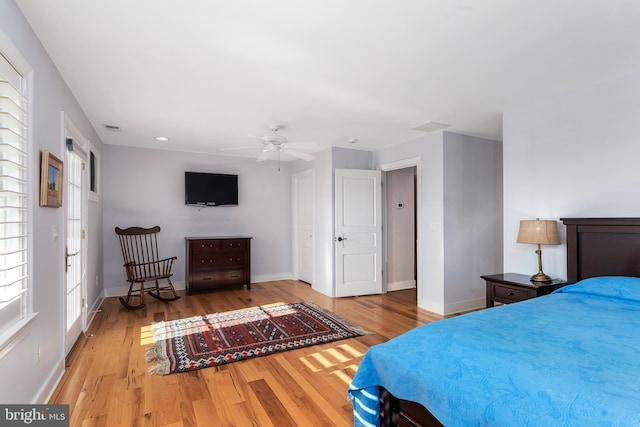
(511, 287)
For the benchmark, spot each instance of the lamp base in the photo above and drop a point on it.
(541, 277)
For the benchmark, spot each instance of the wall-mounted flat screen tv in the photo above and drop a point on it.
(210, 189)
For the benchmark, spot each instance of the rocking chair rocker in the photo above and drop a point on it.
(142, 264)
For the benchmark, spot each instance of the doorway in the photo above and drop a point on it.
(400, 220)
(75, 177)
(303, 226)
(403, 225)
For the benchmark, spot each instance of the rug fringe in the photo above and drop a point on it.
(348, 323)
(156, 353)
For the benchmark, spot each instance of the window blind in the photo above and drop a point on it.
(14, 175)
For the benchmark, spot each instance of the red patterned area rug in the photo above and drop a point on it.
(215, 339)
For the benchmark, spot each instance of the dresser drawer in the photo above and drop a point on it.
(510, 293)
(206, 279)
(205, 246)
(219, 260)
(234, 244)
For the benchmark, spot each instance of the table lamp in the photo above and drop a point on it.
(538, 232)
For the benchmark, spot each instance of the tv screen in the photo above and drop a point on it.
(210, 189)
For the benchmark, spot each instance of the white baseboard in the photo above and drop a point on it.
(270, 277)
(462, 306)
(398, 286)
(49, 386)
(180, 285)
(94, 309)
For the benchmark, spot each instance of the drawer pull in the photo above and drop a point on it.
(510, 294)
(206, 278)
(235, 276)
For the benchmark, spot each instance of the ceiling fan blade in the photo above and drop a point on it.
(240, 147)
(299, 154)
(264, 156)
(261, 138)
(303, 146)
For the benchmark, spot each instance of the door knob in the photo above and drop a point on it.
(340, 239)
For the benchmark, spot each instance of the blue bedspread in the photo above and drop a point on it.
(567, 359)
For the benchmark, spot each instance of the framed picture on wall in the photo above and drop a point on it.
(50, 180)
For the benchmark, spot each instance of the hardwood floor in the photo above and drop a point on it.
(106, 381)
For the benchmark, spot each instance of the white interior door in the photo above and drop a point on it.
(304, 188)
(75, 199)
(358, 232)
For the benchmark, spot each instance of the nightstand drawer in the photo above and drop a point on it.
(509, 293)
(511, 287)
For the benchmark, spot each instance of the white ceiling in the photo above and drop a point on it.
(208, 73)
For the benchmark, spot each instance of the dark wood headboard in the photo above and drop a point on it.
(602, 247)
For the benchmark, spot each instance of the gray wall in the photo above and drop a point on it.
(574, 155)
(472, 217)
(145, 187)
(26, 379)
(459, 232)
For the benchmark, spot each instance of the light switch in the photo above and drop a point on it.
(54, 232)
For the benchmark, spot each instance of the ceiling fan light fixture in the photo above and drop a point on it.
(279, 144)
(276, 139)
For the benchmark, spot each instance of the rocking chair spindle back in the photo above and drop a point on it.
(142, 264)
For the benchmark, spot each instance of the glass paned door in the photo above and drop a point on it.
(75, 273)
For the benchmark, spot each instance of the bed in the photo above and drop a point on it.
(569, 358)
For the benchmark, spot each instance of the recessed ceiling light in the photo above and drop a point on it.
(161, 138)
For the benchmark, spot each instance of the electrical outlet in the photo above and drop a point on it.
(37, 353)
(97, 282)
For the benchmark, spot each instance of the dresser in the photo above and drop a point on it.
(217, 261)
(511, 287)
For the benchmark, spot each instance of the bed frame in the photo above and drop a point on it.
(595, 247)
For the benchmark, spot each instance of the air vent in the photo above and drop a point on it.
(112, 128)
(430, 126)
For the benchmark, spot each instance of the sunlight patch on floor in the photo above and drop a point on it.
(146, 335)
(328, 358)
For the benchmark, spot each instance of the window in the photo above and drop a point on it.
(93, 183)
(94, 174)
(15, 184)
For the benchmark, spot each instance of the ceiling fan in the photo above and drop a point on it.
(274, 144)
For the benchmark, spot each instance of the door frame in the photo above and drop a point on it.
(295, 180)
(402, 164)
(81, 148)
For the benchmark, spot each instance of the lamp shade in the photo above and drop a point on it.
(537, 231)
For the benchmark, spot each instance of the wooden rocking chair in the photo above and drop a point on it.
(142, 264)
